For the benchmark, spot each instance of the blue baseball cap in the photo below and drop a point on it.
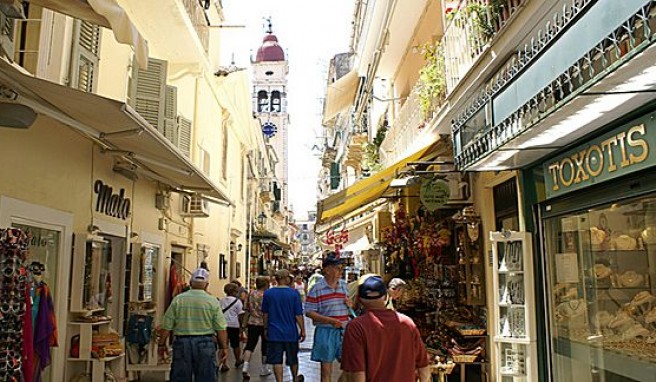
(372, 288)
(331, 258)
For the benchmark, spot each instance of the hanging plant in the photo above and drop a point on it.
(483, 15)
(371, 155)
(432, 78)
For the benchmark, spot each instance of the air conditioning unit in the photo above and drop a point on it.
(195, 206)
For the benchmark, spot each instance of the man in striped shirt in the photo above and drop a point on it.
(327, 305)
(195, 317)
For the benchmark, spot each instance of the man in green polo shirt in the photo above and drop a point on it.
(195, 317)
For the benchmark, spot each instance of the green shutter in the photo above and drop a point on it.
(148, 92)
(85, 56)
(7, 35)
(334, 176)
(184, 135)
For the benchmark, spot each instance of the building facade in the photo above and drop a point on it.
(138, 163)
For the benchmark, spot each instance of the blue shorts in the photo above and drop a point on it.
(275, 350)
(327, 344)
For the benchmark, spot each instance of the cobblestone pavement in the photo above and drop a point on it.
(308, 368)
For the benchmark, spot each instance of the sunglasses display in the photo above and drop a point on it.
(13, 278)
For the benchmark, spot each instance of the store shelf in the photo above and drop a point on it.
(510, 305)
(513, 340)
(87, 312)
(97, 323)
(624, 365)
(146, 367)
(615, 250)
(106, 359)
(622, 288)
(511, 272)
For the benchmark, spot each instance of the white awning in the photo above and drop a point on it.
(106, 13)
(340, 95)
(361, 244)
(115, 126)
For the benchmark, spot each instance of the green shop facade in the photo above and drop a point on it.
(576, 119)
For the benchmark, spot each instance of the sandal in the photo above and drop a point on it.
(224, 368)
(300, 378)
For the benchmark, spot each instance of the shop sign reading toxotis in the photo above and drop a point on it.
(619, 152)
(110, 204)
(434, 193)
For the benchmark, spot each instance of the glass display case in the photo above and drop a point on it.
(91, 286)
(601, 264)
(514, 306)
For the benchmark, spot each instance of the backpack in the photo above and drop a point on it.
(140, 329)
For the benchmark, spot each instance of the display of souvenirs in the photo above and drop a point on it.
(441, 281)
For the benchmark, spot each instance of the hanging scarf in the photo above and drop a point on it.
(28, 335)
(45, 330)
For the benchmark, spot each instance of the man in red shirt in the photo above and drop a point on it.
(382, 344)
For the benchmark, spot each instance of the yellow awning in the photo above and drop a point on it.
(114, 126)
(340, 95)
(366, 190)
(106, 13)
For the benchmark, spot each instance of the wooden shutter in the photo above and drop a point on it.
(148, 92)
(184, 135)
(7, 35)
(170, 128)
(86, 56)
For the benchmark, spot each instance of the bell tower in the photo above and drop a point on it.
(270, 71)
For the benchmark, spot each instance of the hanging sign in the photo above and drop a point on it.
(109, 203)
(338, 239)
(616, 153)
(434, 193)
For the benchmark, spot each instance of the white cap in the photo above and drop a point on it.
(200, 274)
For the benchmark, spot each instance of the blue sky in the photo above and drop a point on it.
(311, 32)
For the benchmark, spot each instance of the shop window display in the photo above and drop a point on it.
(439, 256)
(601, 266)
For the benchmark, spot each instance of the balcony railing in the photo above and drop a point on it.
(472, 26)
(198, 19)
(406, 126)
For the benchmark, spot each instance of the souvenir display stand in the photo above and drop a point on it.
(92, 339)
(514, 306)
(144, 353)
(442, 264)
(13, 252)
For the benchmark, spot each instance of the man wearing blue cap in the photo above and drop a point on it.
(382, 344)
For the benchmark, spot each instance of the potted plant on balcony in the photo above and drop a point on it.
(432, 90)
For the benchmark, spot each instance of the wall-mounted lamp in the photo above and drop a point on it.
(261, 219)
(93, 229)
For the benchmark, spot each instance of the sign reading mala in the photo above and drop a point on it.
(434, 193)
(338, 239)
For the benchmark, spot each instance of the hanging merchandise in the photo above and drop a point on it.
(13, 252)
(440, 255)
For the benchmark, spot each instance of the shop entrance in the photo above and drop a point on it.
(49, 250)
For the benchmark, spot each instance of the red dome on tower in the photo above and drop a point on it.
(270, 50)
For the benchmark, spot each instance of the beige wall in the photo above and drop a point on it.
(484, 205)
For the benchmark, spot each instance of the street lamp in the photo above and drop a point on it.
(261, 219)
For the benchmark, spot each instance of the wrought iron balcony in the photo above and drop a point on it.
(473, 25)
(499, 114)
(196, 12)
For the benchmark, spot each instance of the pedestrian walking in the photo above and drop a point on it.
(255, 325)
(243, 292)
(382, 344)
(396, 287)
(316, 276)
(284, 325)
(299, 285)
(232, 308)
(197, 323)
(328, 306)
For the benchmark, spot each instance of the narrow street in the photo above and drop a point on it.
(308, 368)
